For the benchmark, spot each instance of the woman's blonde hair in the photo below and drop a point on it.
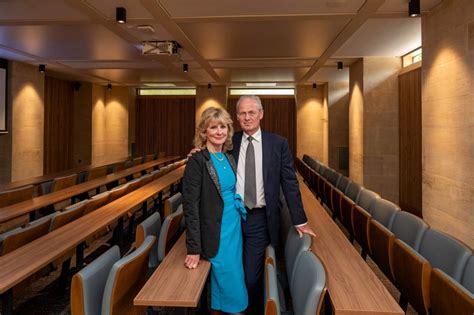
(213, 114)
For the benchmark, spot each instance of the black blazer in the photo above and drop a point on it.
(278, 171)
(203, 204)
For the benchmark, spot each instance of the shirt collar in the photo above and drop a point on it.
(257, 136)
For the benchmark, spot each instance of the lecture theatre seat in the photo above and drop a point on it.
(125, 280)
(448, 296)
(412, 269)
(150, 226)
(346, 205)
(405, 226)
(336, 195)
(272, 300)
(18, 237)
(293, 248)
(361, 217)
(11, 197)
(172, 204)
(169, 233)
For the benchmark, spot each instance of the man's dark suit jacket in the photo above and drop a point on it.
(277, 170)
(203, 204)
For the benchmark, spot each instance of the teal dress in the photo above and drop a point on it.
(228, 290)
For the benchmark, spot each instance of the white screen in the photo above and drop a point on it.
(3, 82)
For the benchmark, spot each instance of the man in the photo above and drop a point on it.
(264, 164)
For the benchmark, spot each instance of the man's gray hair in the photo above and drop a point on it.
(249, 97)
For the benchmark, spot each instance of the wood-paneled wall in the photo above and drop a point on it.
(58, 125)
(279, 117)
(164, 124)
(410, 142)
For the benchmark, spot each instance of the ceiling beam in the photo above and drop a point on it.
(94, 15)
(261, 18)
(157, 11)
(367, 11)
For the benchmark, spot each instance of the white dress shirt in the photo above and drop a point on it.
(257, 145)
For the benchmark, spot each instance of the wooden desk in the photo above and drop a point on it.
(172, 284)
(352, 285)
(25, 207)
(46, 178)
(28, 259)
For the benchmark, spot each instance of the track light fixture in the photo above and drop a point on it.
(340, 65)
(414, 8)
(185, 67)
(42, 68)
(109, 86)
(315, 85)
(121, 15)
(209, 86)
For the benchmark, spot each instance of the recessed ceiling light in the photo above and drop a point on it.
(261, 84)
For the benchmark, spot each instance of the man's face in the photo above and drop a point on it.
(249, 116)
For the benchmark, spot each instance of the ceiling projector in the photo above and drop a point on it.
(160, 48)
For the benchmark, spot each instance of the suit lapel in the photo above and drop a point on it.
(237, 141)
(266, 154)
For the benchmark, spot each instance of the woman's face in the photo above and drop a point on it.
(216, 133)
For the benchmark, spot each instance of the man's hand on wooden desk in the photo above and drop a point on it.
(191, 261)
(305, 229)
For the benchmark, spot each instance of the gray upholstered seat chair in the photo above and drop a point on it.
(88, 285)
(118, 192)
(170, 231)
(405, 226)
(309, 285)
(366, 198)
(270, 256)
(293, 248)
(96, 202)
(467, 279)
(127, 276)
(384, 211)
(353, 190)
(13, 239)
(361, 217)
(69, 214)
(172, 204)
(448, 296)
(412, 269)
(409, 228)
(150, 226)
(336, 195)
(347, 204)
(272, 300)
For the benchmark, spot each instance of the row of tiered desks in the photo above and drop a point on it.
(25, 261)
(353, 287)
(16, 211)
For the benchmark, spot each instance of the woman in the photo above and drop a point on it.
(213, 212)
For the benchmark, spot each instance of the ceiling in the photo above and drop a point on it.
(223, 41)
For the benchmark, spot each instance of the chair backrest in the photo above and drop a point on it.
(366, 198)
(352, 191)
(270, 256)
(448, 296)
(111, 168)
(138, 160)
(333, 177)
(145, 179)
(272, 300)
(97, 172)
(409, 228)
(467, 279)
(150, 226)
(13, 196)
(309, 285)
(96, 202)
(322, 171)
(117, 192)
(64, 182)
(133, 184)
(69, 214)
(169, 233)
(172, 203)
(343, 183)
(445, 253)
(128, 164)
(18, 237)
(156, 174)
(384, 211)
(45, 188)
(87, 285)
(149, 157)
(126, 278)
(306, 158)
(293, 248)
